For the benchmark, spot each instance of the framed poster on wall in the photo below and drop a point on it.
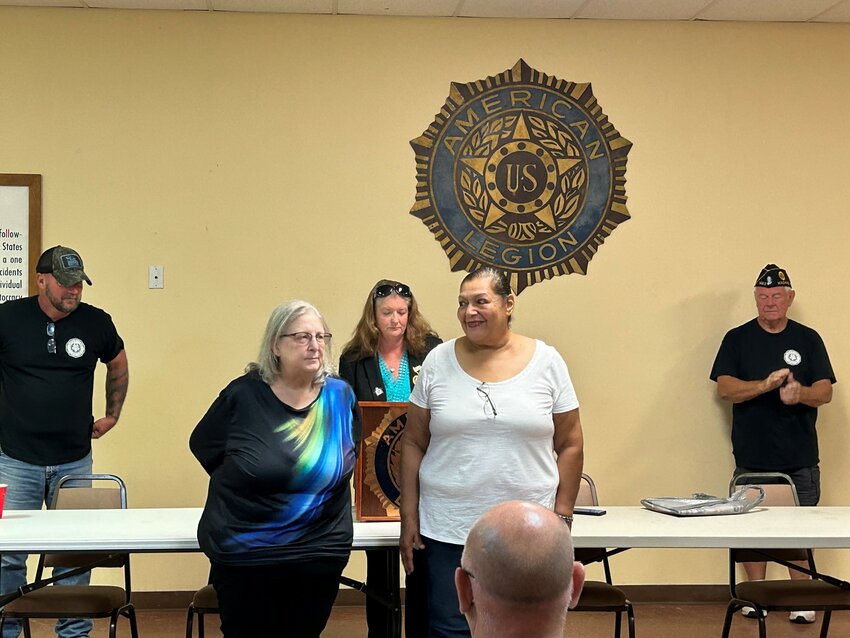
(20, 234)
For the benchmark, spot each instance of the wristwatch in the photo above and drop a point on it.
(567, 518)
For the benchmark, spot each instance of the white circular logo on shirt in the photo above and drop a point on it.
(792, 357)
(76, 348)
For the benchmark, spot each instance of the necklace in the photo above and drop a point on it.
(397, 388)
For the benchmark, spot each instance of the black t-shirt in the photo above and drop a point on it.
(279, 477)
(766, 433)
(46, 398)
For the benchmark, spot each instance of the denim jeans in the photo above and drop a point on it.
(445, 619)
(30, 486)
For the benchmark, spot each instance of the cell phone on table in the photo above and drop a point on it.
(589, 511)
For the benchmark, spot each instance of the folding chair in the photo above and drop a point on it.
(80, 601)
(596, 595)
(205, 601)
(780, 595)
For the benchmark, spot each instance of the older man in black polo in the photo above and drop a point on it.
(776, 373)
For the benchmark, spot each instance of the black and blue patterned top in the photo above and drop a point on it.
(279, 477)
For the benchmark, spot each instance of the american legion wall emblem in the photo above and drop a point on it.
(523, 172)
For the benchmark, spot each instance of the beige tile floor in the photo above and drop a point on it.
(653, 621)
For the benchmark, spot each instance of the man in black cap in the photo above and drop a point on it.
(50, 344)
(776, 373)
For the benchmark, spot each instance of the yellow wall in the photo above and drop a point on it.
(262, 157)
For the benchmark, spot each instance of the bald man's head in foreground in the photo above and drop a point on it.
(517, 573)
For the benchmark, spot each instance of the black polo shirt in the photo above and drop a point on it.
(766, 433)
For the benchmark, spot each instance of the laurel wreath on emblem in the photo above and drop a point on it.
(558, 141)
(486, 140)
(483, 142)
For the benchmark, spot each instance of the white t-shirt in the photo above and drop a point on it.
(475, 459)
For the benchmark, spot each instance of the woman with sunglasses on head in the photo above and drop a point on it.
(279, 444)
(493, 418)
(381, 362)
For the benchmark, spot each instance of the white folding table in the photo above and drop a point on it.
(174, 530)
(140, 530)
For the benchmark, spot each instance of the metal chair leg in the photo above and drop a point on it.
(134, 628)
(630, 615)
(824, 627)
(727, 621)
(190, 618)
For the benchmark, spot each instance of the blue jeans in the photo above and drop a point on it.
(30, 486)
(444, 617)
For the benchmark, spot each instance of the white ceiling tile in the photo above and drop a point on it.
(740, 10)
(42, 3)
(274, 6)
(765, 10)
(839, 13)
(521, 9)
(174, 5)
(641, 9)
(433, 8)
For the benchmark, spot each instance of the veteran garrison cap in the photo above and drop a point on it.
(772, 276)
(65, 264)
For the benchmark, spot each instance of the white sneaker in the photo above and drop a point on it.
(802, 617)
(750, 612)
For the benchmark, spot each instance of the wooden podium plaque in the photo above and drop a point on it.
(378, 471)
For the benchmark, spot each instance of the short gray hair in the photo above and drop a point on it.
(267, 364)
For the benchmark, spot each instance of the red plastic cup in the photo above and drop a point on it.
(2, 497)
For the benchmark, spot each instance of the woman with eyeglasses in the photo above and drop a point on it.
(381, 362)
(493, 418)
(279, 444)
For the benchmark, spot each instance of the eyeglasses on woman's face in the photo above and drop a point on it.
(304, 338)
(402, 290)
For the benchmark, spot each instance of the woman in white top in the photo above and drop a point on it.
(493, 417)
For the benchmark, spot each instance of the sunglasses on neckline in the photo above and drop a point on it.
(51, 341)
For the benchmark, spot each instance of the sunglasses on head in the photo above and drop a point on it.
(387, 289)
